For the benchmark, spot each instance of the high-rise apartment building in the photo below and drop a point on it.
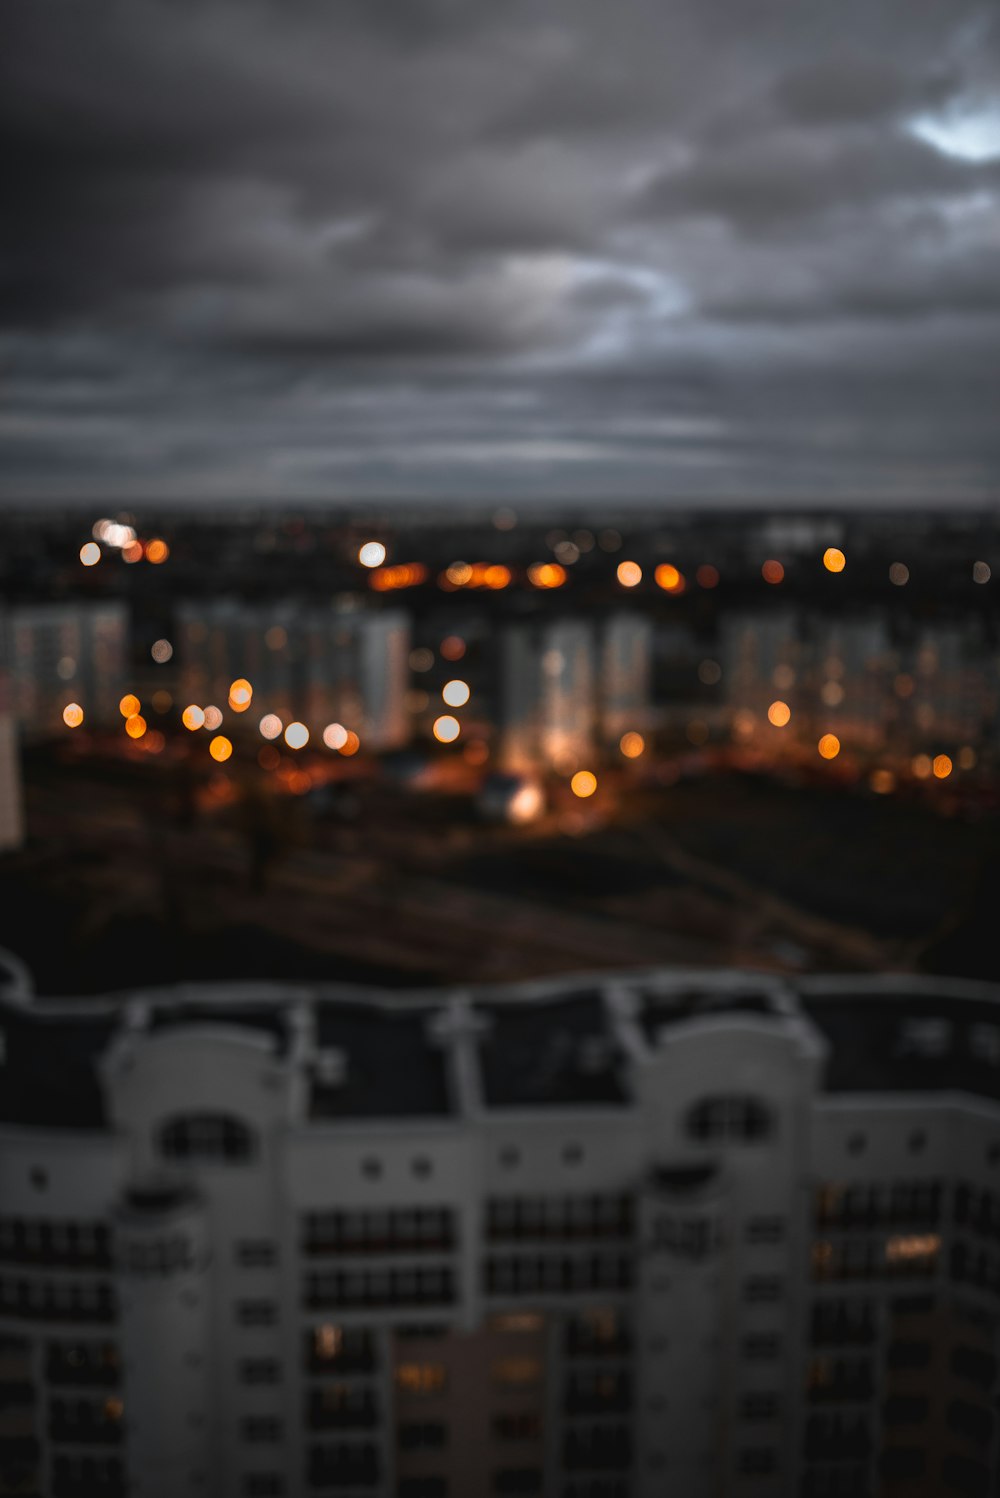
(66, 652)
(658, 1232)
(331, 663)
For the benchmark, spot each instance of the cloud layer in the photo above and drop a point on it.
(445, 248)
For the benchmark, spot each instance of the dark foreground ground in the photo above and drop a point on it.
(131, 876)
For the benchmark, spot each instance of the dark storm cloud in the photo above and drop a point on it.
(350, 249)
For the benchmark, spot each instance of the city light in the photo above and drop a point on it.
(90, 553)
(921, 766)
(446, 729)
(882, 782)
(240, 695)
(220, 748)
(779, 714)
(72, 715)
(271, 726)
(981, 572)
(455, 693)
(161, 651)
(213, 718)
(899, 574)
(135, 726)
(630, 574)
(406, 575)
(351, 744)
(772, 572)
(458, 574)
(834, 559)
(157, 551)
(583, 784)
(132, 553)
(829, 746)
(296, 735)
(632, 744)
(452, 648)
(707, 576)
(372, 554)
(667, 577)
(942, 766)
(129, 705)
(334, 735)
(193, 717)
(546, 575)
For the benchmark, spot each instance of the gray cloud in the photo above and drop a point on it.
(457, 248)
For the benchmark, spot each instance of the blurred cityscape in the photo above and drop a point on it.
(251, 744)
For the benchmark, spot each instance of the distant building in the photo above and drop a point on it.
(66, 652)
(337, 663)
(11, 790)
(570, 685)
(702, 1233)
(548, 699)
(626, 674)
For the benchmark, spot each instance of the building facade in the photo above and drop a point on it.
(644, 1234)
(66, 652)
(339, 662)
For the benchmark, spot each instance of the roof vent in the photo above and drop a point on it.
(331, 1068)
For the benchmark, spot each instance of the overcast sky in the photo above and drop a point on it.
(717, 249)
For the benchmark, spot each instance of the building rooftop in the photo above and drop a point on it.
(567, 1043)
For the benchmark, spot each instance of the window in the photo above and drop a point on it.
(256, 1312)
(517, 1480)
(208, 1138)
(260, 1371)
(421, 1378)
(735, 1119)
(260, 1429)
(971, 1421)
(760, 1406)
(757, 1461)
(765, 1230)
(263, 1485)
(422, 1435)
(517, 1425)
(339, 1349)
(256, 1254)
(762, 1289)
(517, 1372)
(761, 1347)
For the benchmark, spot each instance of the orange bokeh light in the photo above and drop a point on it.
(157, 551)
(630, 574)
(135, 726)
(632, 744)
(129, 705)
(779, 713)
(72, 715)
(829, 746)
(669, 578)
(583, 784)
(220, 748)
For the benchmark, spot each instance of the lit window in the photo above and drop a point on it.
(421, 1378)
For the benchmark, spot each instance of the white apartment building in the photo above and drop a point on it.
(569, 685)
(625, 1236)
(331, 663)
(66, 652)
